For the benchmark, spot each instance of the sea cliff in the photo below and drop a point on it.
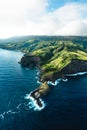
(68, 58)
(56, 57)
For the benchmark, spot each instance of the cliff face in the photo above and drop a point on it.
(57, 60)
(30, 61)
(75, 66)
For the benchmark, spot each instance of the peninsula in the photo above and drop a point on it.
(55, 57)
(57, 60)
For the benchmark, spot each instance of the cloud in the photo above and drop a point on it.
(31, 17)
(71, 19)
(15, 15)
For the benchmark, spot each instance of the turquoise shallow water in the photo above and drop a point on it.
(66, 104)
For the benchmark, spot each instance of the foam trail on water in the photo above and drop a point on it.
(19, 106)
(10, 112)
(76, 74)
(54, 83)
(33, 104)
(65, 80)
(2, 115)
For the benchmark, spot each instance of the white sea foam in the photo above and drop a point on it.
(26, 68)
(2, 115)
(19, 106)
(10, 112)
(27, 96)
(38, 73)
(58, 80)
(51, 83)
(36, 77)
(39, 82)
(64, 80)
(33, 104)
(76, 74)
(54, 83)
(14, 112)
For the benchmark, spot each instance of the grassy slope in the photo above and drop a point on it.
(61, 55)
(55, 52)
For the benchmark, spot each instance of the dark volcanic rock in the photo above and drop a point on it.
(75, 66)
(30, 61)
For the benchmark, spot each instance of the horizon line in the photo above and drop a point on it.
(42, 36)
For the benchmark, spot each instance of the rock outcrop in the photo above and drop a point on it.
(42, 90)
(30, 61)
(75, 66)
(57, 60)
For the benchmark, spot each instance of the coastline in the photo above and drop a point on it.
(65, 80)
(59, 79)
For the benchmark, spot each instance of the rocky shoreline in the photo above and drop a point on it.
(42, 90)
(75, 66)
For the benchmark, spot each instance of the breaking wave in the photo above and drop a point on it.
(32, 103)
(38, 82)
(56, 82)
(64, 80)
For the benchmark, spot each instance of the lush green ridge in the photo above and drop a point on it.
(55, 53)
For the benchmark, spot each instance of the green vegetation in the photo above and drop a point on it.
(55, 52)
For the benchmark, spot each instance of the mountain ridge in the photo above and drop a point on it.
(51, 54)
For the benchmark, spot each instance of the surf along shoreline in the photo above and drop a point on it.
(44, 88)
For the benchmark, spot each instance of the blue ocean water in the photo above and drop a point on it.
(65, 105)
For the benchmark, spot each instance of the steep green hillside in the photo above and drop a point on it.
(51, 54)
(55, 58)
(29, 43)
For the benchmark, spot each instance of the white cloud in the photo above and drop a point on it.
(30, 17)
(73, 19)
(74, 28)
(15, 15)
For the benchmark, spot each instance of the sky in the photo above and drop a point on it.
(43, 17)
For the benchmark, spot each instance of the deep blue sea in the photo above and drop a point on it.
(65, 105)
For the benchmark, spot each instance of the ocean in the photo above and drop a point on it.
(65, 107)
